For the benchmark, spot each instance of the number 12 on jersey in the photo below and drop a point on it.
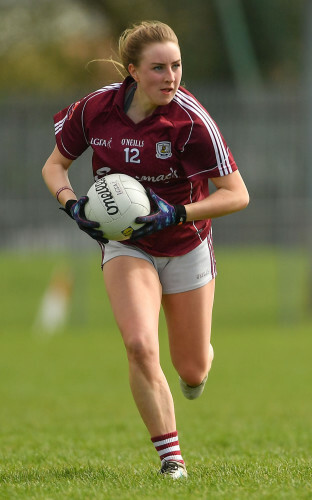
(132, 155)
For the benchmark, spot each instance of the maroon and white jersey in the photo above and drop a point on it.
(173, 151)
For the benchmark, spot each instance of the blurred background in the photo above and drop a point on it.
(248, 61)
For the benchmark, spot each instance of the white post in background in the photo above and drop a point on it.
(307, 171)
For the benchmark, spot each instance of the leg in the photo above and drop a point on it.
(135, 294)
(188, 316)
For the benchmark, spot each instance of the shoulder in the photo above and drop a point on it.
(188, 103)
(99, 100)
(191, 117)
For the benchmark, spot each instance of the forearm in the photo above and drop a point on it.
(55, 176)
(221, 202)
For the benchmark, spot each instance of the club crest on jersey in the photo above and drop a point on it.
(163, 150)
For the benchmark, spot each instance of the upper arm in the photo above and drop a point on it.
(232, 182)
(57, 158)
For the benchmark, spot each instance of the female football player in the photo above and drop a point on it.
(154, 130)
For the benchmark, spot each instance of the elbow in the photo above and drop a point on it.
(243, 200)
(44, 171)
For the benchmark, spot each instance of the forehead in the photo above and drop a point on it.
(161, 52)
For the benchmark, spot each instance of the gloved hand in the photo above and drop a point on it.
(163, 216)
(75, 210)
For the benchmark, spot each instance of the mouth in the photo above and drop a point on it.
(167, 91)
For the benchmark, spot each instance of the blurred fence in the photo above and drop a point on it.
(264, 129)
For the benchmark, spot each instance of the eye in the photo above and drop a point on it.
(157, 68)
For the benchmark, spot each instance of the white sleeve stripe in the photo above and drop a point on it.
(219, 147)
(59, 125)
(212, 136)
(221, 156)
(210, 124)
(202, 172)
(114, 86)
(223, 153)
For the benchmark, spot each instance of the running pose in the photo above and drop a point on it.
(154, 130)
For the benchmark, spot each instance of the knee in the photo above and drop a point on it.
(140, 351)
(193, 372)
(193, 375)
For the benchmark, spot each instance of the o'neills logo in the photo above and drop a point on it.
(105, 194)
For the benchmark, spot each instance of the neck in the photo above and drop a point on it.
(140, 108)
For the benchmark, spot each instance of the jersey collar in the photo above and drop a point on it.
(122, 95)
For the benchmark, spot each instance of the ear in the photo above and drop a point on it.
(133, 72)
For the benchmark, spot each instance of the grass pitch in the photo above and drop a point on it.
(70, 430)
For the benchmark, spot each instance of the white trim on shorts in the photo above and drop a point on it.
(176, 274)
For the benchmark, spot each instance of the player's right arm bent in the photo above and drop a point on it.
(55, 175)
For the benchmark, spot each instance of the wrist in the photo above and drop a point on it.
(180, 214)
(68, 206)
(60, 190)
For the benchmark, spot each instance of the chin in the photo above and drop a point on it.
(166, 100)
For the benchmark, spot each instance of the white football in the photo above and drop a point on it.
(115, 201)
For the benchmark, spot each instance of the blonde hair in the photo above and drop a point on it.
(134, 39)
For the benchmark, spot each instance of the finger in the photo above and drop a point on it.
(154, 196)
(145, 219)
(89, 224)
(83, 200)
(142, 231)
(153, 199)
(97, 235)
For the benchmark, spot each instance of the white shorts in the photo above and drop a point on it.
(176, 274)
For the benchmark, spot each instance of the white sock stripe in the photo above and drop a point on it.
(172, 457)
(170, 449)
(165, 441)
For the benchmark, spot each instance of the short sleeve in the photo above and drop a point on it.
(206, 153)
(203, 150)
(69, 130)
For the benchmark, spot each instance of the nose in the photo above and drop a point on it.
(169, 75)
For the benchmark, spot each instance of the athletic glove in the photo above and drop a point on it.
(163, 216)
(75, 210)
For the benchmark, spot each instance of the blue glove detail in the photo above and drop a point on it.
(165, 215)
(75, 210)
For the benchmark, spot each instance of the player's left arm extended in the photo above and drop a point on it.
(231, 196)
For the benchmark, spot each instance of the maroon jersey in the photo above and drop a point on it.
(174, 151)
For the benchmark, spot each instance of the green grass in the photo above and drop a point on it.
(70, 430)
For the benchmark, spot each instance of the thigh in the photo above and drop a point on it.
(189, 271)
(135, 294)
(188, 317)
